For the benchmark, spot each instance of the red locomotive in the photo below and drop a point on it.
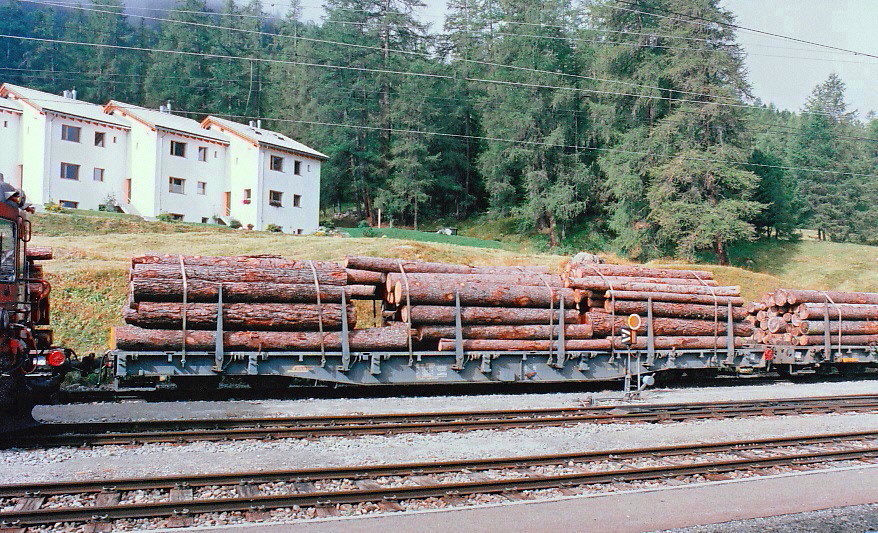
(30, 368)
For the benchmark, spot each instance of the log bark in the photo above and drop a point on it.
(461, 280)
(640, 271)
(675, 310)
(661, 343)
(39, 253)
(673, 297)
(170, 290)
(383, 264)
(797, 296)
(601, 285)
(444, 315)
(133, 338)
(850, 311)
(848, 340)
(517, 332)
(853, 327)
(241, 261)
(239, 274)
(364, 277)
(238, 317)
(598, 282)
(484, 295)
(602, 323)
(777, 324)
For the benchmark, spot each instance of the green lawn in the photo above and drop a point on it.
(424, 236)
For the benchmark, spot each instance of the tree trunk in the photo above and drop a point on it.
(676, 310)
(236, 274)
(849, 311)
(240, 261)
(240, 317)
(444, 315)
(797, 296)
(461, 280)
(722, 255)
(517, 332)
(849, 340)
(383, 264)
(137, 339)
(661, 343)
(364, 277)
(484, 294)
(579, 271)
(673, 297)
(859, 327)
(602, 323)
(169, 290)
(604, 282)
(602, 285)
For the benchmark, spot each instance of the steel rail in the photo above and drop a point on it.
(106, 433)
(439, 489)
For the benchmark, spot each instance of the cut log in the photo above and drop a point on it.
(676, 310)
(383, 264)
(462, 280)
(240, 261)
(797, 296)
(639, 271)
(520, 332)
(240, 274)
(673, 297)
(134, 338)
(39, 253)
(661, 343)
(238, 317)
(848, 340)
(849, 311)
(364, 277)
(444, 315)
(602, 285)
(777, 324)
(484, 294)
(602, 323)
(853, 327)
(170, 290)
(600, 282)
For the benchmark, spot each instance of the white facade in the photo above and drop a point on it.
(149, 162)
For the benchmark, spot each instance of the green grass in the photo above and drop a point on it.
(423, 236)
(79, 222)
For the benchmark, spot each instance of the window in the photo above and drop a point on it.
(202, 187)
(68, 203)
(98, 174)
(297, 168)
(299, 231)
(100, 138)
(7, 250)
(309, 168)
(214, 154)
(202, 153)
(5, 123)
(248, 194)
(297, 200)
(69, 171)
(204, 220)
(176, 185)
(277, 163)
(276, 198)
(70, 133)
(178, 149)
(176, 216)
(114, 139)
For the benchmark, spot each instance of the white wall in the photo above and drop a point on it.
(243, 174)
(192, 205)
(34, 151)
(142, 169)
(10, 153)
(307, 185)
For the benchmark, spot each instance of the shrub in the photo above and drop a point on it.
(235, 223)
(53, 207)
(165, 217)
(274, 228)
(371, 232)
(364, 224)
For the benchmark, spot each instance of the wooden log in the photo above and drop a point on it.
(639, 271)
(798, 296)
(384, 264)
(676, 310)
(241, 261)
(364, 277)
(484, 295)
(848, 340)
(601, 285)
(515, 332)
(777, 324)
(662, 343)
(602, 325)
(599, 282)
(462, 280)
(673, 297)
(138, 339)
(815, 311)
(240, 274)
(39, 253)
(853, 327)
(238, 317)
(170, 290)
(444, 315)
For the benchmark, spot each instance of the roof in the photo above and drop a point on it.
(167, 121)
(58, 104)
(12, 105)
(265, 137)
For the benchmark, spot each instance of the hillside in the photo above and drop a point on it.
(89, 282)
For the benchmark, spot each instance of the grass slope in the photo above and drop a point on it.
(89, 272)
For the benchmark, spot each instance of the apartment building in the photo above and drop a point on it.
(151, 162)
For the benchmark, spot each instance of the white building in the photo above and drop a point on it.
(272, 178)
(71, 151)
(151, 162)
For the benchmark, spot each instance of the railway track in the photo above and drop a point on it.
(107, 433)
(397, 487)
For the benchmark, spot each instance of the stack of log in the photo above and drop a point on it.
(268, 303)
(799, 317)
(689, 308)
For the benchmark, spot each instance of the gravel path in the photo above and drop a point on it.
(138, 410)
(860, 518)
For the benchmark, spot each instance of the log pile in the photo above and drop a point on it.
(803, 317)
(690, 309)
